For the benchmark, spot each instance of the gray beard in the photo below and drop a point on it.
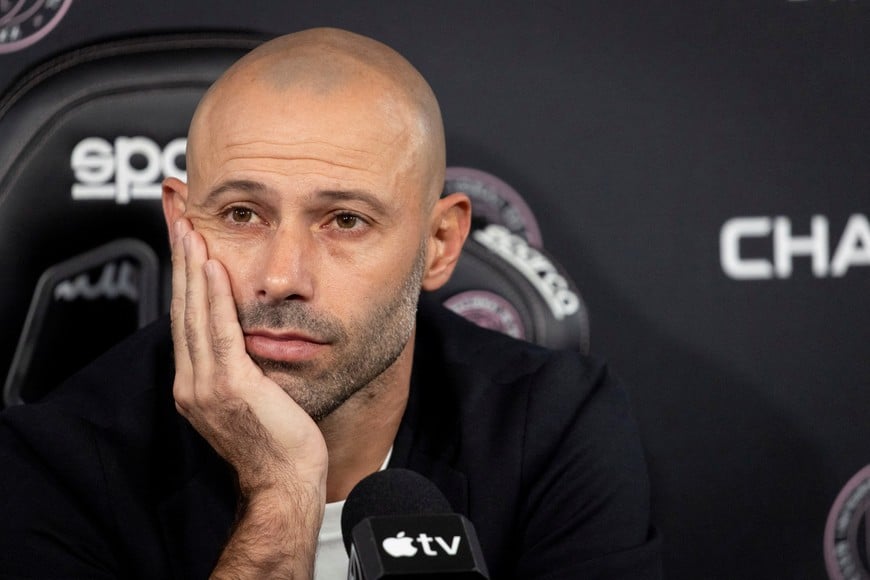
(362, 350)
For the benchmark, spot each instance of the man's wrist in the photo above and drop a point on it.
(275, 534)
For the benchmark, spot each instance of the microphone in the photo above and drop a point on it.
(397, 525)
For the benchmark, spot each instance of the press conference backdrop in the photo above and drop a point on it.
(702, 171)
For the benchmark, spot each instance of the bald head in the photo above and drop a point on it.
(330, 72)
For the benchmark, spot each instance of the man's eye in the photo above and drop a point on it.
(241, 215)
(346, 221)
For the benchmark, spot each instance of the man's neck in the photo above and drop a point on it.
(360, 433)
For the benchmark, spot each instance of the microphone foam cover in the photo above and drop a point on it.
(391, 492)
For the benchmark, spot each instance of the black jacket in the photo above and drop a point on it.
(105, 480)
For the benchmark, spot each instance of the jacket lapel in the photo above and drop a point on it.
(428, 438)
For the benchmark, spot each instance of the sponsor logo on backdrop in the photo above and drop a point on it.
(488, 310)
(825, 253)
(116, 280)
(847, 537)
(493, 201)
(129, 168)
(534, 266)
(25, 22)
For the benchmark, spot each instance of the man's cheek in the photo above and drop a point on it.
(205, 225)
(219, 242)
(245, 255)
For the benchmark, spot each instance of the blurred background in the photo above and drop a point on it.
(700, 169)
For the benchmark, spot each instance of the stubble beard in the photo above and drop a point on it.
(362, 350)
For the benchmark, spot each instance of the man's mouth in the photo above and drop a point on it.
(284, 346)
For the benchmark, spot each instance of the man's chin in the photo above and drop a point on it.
(275, 369)
(294, 378)
(318, 409)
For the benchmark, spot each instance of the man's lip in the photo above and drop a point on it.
(283, 346)
(288, 335)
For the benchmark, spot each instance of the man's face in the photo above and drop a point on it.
(312, 204)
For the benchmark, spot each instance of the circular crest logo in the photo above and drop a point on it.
(494, 202)
(25, 22)
(847, 533)
(488, 310)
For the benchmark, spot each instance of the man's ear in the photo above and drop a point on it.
(451, 220)
(174, 201)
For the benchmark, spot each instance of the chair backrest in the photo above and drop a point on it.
(86, 140)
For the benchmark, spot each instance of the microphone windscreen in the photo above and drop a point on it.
(390, 492)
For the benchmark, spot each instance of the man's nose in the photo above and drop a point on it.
(287, 263)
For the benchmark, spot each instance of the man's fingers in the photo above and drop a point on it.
(196, 315)
(228, 342)
(177, 304)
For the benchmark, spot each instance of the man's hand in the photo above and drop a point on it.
(277, 450)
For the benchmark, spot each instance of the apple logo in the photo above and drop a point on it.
(400, 546)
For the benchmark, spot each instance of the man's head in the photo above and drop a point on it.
(315, 166)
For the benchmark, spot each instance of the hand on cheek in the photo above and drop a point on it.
(248, 419)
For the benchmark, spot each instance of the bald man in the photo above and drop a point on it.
(310, 222)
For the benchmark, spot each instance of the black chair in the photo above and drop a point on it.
(86, 139)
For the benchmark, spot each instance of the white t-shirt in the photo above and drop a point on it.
(330, 561)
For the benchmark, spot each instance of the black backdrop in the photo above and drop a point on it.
(636, 131)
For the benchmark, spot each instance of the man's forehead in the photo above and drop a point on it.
(305, 136)
(302, 157)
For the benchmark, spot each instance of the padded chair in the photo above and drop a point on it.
(86, 140)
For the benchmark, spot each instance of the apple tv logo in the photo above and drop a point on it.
(401, 546)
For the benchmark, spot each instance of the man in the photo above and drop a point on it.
(310, 222)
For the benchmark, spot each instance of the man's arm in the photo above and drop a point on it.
(276, 449)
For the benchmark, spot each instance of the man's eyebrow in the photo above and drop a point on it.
(359, 195)
(325, 195)
(243, 185)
